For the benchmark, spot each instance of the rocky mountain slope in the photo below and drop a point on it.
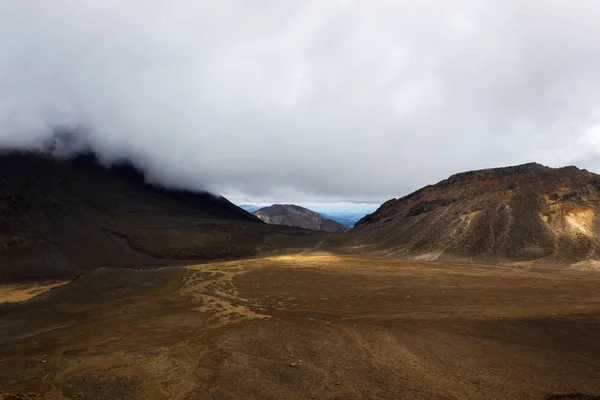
(292, 215)
(59, 218)
(521, 213)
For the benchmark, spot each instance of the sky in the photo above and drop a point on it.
(306, 101)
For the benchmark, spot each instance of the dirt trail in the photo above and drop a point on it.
(212, 290)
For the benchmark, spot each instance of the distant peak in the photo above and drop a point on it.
(294, 215)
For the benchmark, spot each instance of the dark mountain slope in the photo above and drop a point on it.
(292, 215)
(521, 213)
(60, 218)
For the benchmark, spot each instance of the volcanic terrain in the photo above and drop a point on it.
(111, 288)
(59, 218)
(515, 214)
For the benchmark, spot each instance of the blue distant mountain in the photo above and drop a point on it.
(250, 207)
(346, 219)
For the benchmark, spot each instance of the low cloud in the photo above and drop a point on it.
(306, 100)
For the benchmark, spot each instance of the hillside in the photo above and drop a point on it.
(292, 215)
(521, 213)
(59, 218)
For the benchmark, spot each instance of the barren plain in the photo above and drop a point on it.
(305, 326)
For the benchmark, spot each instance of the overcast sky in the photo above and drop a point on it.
(292, 101)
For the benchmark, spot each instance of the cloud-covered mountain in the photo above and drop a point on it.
(60, 217)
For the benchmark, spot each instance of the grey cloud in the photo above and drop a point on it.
(306, 100)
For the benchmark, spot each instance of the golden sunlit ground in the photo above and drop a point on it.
(13, 293)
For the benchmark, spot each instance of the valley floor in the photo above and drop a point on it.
(309, 326)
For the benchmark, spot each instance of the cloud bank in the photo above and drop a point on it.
(306, 100)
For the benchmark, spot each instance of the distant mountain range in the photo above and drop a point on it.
(344, 213)
(293, 215)
(348, 219)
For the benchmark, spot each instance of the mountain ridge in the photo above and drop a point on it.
(520, 213)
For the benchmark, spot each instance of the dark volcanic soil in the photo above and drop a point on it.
(307, 327)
